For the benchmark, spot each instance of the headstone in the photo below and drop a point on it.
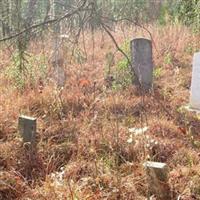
(59, 76)
(195, 85)
(57, 63)
(158, 180)
(27, 128)
(142, 62)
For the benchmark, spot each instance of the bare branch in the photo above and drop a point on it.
(66, 15)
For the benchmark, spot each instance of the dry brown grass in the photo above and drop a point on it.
(82, 150)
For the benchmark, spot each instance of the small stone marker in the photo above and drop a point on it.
(142, 62)
(27, 128)
(195, 85)
(158, 180)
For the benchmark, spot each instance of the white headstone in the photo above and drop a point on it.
(195, 85)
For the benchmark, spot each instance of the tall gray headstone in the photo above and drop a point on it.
(195, 84)
(142, 62)
(27, 128)
(158, 180)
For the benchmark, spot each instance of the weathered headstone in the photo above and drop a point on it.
(142, 62)
(158, 180)
(27, 128)
(57, 63)
(195, 85)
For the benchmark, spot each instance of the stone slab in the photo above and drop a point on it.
(195, 84)
(27, 128)
(142, 62)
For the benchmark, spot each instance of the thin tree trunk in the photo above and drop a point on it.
(31, 10)
(2, 7)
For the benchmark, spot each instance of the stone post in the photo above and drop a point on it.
(27, 129)
(158, 180)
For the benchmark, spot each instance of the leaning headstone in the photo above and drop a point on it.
(158, 180)
(27, 128)
(195, 85)
(142, 62)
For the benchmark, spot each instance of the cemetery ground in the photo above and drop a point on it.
(86, 147)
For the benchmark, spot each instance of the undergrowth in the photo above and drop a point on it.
(84, 148)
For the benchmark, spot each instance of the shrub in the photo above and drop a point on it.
(36, 69)
(122, 74)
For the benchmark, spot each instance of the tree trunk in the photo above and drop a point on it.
(30, 14)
